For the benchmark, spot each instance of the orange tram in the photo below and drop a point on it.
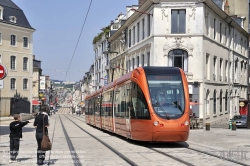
(146, 104)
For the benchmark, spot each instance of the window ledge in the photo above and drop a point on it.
(214, 115)
(226, 112)
(207, 117)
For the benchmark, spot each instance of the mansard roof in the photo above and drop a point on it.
(11, 9)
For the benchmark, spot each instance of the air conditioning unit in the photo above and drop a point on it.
(214, 76)
(226, 78)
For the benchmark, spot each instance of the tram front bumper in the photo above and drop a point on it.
(170, 136)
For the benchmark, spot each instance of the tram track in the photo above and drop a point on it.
(191, 149)
(105, 144)
(74, 155)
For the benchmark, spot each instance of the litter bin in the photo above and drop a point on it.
(230, 124)
(234, 126)
(207, 126)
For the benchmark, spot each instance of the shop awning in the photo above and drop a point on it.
(35, 102)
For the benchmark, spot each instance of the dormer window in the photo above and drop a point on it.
(12, 19)
(1, 12)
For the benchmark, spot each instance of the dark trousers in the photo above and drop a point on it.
(40, 153)
(14, 148)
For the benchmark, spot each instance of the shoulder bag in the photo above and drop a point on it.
(46, 144)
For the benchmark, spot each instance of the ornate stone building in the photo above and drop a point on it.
(195, 35)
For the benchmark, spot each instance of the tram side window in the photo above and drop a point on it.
(129, 104)
(105, 104)
(90, 106)
(97, 104)
(117, 106)
(122, 102)
(87, 107)
(139, 103)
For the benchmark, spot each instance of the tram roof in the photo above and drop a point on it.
(161, 70)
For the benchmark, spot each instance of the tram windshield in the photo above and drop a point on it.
(167, 95)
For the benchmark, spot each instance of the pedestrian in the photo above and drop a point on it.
(15, 135)
(41, 120)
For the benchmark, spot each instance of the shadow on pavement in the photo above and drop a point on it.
(6, 130)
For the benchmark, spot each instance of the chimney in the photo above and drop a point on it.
(226, 7)
(140, 2)
(34, 57)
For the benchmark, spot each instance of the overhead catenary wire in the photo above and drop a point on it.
(78, 39)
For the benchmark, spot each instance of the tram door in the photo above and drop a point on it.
(140, 124)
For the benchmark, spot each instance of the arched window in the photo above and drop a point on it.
(221, 101)
(214, 101)
(178, 58)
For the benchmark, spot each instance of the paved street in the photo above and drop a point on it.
(72, 145)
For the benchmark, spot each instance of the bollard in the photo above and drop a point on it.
(234, 126)
(207, 126)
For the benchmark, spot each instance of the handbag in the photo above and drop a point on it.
(46, 144)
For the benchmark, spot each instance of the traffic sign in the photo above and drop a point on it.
(3, 71)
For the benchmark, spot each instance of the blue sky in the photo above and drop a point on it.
(58, 24)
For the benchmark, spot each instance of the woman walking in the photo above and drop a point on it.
(41, 120)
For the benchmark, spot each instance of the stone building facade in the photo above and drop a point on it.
(16, 51)
(197, 36)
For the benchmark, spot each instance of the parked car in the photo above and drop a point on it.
(240, 120)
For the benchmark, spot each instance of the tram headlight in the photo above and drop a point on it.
(156, 123)
(186, 123)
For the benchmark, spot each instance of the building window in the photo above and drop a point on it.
(220, 32)
(178, 21)
(226, 97)
(0, 38)
(214, 102)
(207, 103)
(221, 69)
(138, 61)
(133, 63)
(143, 29)
(133, 35)
(225, 35)
(149, 25)
(221, 101)
(129, 65)
(25, 63)
(178, 58)
(129, 38)
(25, 83)
(215, 29)
(138, 32)
(12, 83)
(148, 58)
(25, 42)
(1, 12)
(12, 62)
(13, 40)
(207, 66)
(142, 61)
(215, 68)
